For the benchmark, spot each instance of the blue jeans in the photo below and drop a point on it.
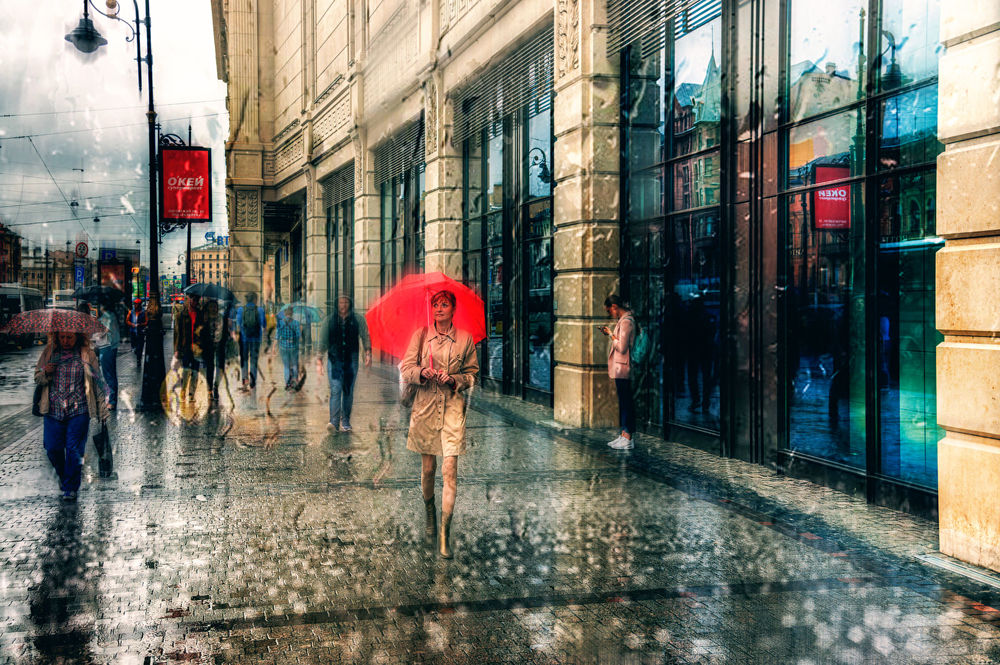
(65, 442)
(290, 359)
(341, 377)
(109, 368)
(250, 354)
(626, 409)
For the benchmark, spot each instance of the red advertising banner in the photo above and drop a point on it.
(185, 184)
(832, 205)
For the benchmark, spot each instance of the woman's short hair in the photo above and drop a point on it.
(446, 294)
(616, 300)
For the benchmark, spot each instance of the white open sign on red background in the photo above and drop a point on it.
(185, 184)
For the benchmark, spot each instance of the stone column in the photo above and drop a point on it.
(367, 234)
(244, 150)
(968, 282)
(443, 200)
(245, 238)
(585, 119)
(316, 278)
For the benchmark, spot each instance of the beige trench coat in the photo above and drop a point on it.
(437, 421)
(93, 384)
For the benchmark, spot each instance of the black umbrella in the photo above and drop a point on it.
(106, 295)
(215, 291)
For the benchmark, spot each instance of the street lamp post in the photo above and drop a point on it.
(86, 38)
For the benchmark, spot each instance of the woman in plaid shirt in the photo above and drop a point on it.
(289, 333)
(73, 392)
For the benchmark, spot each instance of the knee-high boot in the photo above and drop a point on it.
(431, 511)
(445, 534)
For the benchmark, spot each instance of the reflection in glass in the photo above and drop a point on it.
(645, 112)
(697, 89)
(907, 336)
(825, 313)
(494, 171)
(538, 155)
(836, 140)
(645, 194)
(696, 181)
(826, 55)
(909, 129)
(538, 306)
(695, 319)
(910, 42)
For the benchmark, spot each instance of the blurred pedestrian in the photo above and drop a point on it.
(189, 335)
(213, 336)
(107, 351)
(289, 333)
(441, 362)
(251, 323)
(137, 322)
(72, 393)
(344, 334)
(620, 366)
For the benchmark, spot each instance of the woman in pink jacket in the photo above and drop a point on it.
(620, 367)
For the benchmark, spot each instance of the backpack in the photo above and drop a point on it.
(251, 319)
(641, 346)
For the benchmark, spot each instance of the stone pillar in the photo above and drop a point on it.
(245, 238)
(244, 150)
(586, 237)
(316, 278)
(968, 282)
(367, 234)
(443, 200)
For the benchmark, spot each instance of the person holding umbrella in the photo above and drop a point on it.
(107, 350)
(71, 394)
(441, 362)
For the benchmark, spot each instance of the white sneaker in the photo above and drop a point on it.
(330, 427)
(614, 443)
(622, 444)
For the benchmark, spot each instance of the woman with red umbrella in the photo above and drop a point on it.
(441, 363)
(72, 393)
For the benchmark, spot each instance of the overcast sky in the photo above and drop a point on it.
(86, 112)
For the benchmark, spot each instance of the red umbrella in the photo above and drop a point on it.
(53, 320)
(406, 307)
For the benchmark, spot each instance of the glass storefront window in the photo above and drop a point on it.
(825, 319)
(827, 50)
(909, 129)
(907, 336)
(697, 91)
(826, 149)
(646, 112)
(910, 42)
(538, 304)
(539, 155)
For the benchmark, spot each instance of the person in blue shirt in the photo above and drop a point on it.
(251, 323)
(289, 334)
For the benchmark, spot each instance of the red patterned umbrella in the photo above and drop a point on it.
(53, 320)
(393, 318)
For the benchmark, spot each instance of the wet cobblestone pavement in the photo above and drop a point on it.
(251, 535)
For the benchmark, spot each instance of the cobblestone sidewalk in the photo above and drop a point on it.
(248, 534)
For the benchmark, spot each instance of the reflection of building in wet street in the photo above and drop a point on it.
(774, 214)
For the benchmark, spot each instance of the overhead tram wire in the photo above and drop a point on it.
(101, 129)
(107, 108)
(61, 193)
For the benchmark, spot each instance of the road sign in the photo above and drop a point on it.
(108, 254)
(82, 249)
(80, 274)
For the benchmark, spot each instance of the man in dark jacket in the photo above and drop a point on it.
(250, 322)
(189, 336)
(344, 334)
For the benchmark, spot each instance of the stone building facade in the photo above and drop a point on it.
(210, 264)
(801, 231)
